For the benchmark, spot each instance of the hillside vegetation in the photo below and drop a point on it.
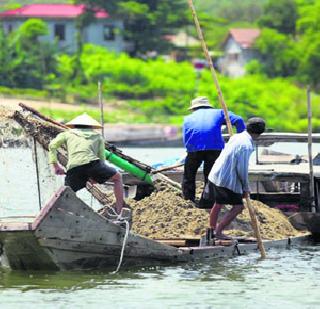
(155, 90)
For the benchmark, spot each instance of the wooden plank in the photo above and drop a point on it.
(187, 243)
(173, 242)
(21, 250)
(276, 137)
(65, 222)
(276, 197)
(15, 226)
(270, 138)
(132, 249)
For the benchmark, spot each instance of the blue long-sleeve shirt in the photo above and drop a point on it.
(231, 168)
(202, 129)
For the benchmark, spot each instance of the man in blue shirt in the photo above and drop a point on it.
(229, 179)
(203, 141)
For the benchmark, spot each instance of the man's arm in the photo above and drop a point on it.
(237, 121)
(243, 168)
(184, 133)
(54, 145)
(101, 153)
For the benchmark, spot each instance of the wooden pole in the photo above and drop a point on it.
(254, 221)
(167, 168)
(101, 107)
(42, 117)
(255, 227)
(213, 71)
(311, 182)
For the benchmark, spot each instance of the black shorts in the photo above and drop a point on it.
(77, 177)
(214, 194)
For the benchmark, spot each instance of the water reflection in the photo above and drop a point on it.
(62, 280)
(282, 281)
(229, 269)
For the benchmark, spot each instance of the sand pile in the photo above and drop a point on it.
(166, 214)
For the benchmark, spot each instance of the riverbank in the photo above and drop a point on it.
(113, 132)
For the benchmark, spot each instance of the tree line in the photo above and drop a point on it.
(161, 91)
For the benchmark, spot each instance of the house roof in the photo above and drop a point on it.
(244, 37)
(50, 11)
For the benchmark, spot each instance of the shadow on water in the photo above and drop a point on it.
(282, 281)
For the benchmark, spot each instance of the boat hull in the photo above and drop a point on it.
(68, 234)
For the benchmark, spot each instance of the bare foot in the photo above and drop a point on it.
(223, 237)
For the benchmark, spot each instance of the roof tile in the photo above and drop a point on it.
(50, 11)
(244, 37)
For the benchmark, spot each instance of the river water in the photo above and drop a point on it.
(286, 279)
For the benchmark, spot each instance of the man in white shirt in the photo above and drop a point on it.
(228, 178)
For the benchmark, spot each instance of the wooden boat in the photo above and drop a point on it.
(68, 234)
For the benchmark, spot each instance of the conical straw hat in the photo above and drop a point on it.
(84, 120)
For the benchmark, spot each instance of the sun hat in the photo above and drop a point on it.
(84, 120)
(256, 125)
(200, 102)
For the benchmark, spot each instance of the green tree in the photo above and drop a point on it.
(280, 15)
(233, 11)
(310, 60)
(147, 22)
(29, 60)
(6, 55)
(279, 53)
(309, 16)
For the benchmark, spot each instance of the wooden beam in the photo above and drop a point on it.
(275, 137)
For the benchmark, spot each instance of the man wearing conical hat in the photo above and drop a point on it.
(86, 157)
(203, 141)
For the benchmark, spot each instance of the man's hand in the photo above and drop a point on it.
(246, 194)
(58, 170)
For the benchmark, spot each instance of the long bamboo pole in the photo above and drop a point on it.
(209, 60)
(101, 108)
(254, 221)
(311, 182)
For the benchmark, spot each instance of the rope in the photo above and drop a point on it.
(118, 219)
(113, 214)
(123, 244)
(236, 248)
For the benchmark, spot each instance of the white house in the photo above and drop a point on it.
(238, 51)
(61, 21)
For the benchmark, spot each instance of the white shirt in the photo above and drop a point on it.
(231, 168)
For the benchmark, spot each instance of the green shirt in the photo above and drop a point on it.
(83, 146)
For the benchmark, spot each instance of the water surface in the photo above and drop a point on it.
(287, 279)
